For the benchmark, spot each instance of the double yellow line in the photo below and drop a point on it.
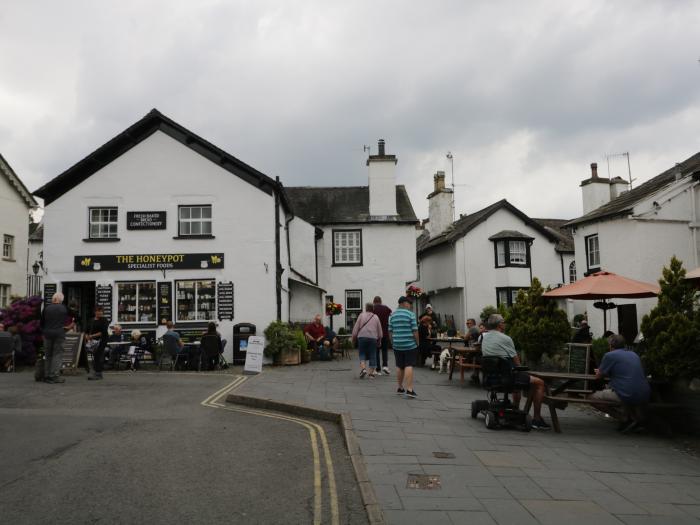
(316, 434)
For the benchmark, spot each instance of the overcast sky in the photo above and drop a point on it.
(524, 94)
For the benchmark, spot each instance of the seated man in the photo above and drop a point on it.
(172, 343)
(115, 351)
(331, 342)
(496, 343)
(628, 384)
(315, 333)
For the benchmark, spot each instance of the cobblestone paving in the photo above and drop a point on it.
(589, 474)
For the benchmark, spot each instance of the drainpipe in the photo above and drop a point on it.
(695, 225)
(278, 265)
(289, 260)
(561, 257)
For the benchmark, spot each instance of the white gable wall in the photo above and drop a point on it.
(388, 263)
(14, 220)
(160, 174)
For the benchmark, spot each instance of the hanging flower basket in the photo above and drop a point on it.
(334, 309)
(414, 291)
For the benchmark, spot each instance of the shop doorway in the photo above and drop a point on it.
(627, 321)
(80, 300)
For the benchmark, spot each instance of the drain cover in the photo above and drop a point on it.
(443, 455)
(423, 482)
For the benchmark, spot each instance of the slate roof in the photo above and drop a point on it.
(138, 132)
(624, 204)
(466, 223)
(510, 234)
(16, 183)
(565, 239)
(36, 231)
(345, 205)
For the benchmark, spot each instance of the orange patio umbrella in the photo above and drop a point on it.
(605, 285)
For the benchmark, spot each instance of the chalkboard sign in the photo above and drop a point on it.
(72, 345)
(224, 300)
(103, 298)
(165, 298)
(49, 290)
(578, 358)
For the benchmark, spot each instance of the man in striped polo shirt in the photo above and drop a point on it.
(403, 329)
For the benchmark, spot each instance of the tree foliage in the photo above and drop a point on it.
(279, 338)
(536, 324)
(672, 329)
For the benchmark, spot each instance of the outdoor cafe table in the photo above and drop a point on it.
(449, 341)
(464, 357)
(562, 391)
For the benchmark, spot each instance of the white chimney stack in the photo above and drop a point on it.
(440, 203)
(382, 182)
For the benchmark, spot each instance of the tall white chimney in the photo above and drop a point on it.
(440, 203)
(382, 182)
(595, 191)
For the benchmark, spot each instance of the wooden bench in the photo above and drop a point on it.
(466, 366)
(560, 402)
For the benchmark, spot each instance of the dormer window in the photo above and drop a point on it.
(511, 248)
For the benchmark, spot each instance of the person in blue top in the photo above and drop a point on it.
(403, 329)
(628, 384)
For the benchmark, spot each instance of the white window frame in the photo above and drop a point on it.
(197, 285)
(593, 252)
(8, 246)
(194, 217)
(501, 253)
(350, 312)
(5, 292)
(572, 272)
(347, 247)
(137, 301)
(104, 227)
(517, 252)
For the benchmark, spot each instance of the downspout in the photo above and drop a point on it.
(695, 222)
(561, 257)
(529, 246)
(278, 265)
(289, 259)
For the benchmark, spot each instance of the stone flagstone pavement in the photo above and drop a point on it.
(589, 474)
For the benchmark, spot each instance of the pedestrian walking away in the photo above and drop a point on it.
(366, 334)
(53, 327)
(383, 312)
(403, 328)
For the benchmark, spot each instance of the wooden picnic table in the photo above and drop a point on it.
(465, 358)
(559, 396)
(445, 340)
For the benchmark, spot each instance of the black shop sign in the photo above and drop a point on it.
(165, 297)
(145, 220)
(103, 298)
(224, 301)
(49, 290)
(148, 261)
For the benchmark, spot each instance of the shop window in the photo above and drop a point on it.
(593, 253)
(512, 253)
(353, 307)
(4, 295)
(103, 223)
(194, 221)
(196, 300)
(572, 272)
(508, 296)
(347, 247)
(8, 247)
(136, 302)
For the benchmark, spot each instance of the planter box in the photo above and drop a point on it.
(290, 358)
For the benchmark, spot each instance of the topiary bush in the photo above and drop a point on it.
(671, 346)
(536, 324)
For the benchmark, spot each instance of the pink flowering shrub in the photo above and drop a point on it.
(25, 315)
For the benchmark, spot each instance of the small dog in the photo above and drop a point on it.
(445, 361)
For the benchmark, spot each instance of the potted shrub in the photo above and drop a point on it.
(304, 351)
(282, 345)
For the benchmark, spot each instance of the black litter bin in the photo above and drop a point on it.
(241, 333)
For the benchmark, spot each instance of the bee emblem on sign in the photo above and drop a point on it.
(215, 259)
(86, 261)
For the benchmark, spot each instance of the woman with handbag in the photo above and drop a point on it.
(366, 334)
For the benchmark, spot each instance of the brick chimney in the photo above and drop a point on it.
(440, 204)
(382, 182)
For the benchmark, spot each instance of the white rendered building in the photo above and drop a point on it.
(366, 238)
(486, 257)
(16, 202)
(635, 233)
(159, 223)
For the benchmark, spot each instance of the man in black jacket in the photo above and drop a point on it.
(98, 331)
